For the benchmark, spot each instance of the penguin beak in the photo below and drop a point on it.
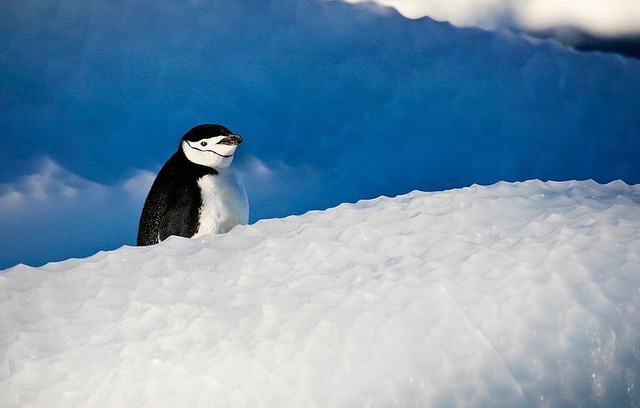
(231, 140)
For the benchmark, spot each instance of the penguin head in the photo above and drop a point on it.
(210, 145)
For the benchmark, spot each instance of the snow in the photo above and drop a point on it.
(55, 214)
(601, 17)
(515, 294)
(508, 295)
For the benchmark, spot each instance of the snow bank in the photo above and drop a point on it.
(54, 215)
(509, 295)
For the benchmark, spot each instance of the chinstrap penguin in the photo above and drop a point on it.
(196, 192)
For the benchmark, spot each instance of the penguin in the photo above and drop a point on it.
(196, 192)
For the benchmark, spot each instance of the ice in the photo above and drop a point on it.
(337, 102)
(508, 295)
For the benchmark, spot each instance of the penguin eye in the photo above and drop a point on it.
(203, 144)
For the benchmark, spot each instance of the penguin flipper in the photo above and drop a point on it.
(176, 221)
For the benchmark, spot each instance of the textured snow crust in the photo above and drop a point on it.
(524, 294)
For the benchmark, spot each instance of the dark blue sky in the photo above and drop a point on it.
(335, 103)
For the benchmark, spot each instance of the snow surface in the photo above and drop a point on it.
(524, 294)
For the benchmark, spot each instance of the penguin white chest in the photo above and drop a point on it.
(224, 203)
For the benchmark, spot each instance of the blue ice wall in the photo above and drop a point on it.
(336, 102)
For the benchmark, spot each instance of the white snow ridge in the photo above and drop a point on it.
(512, 295)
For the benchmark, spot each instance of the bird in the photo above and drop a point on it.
(197, 191)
